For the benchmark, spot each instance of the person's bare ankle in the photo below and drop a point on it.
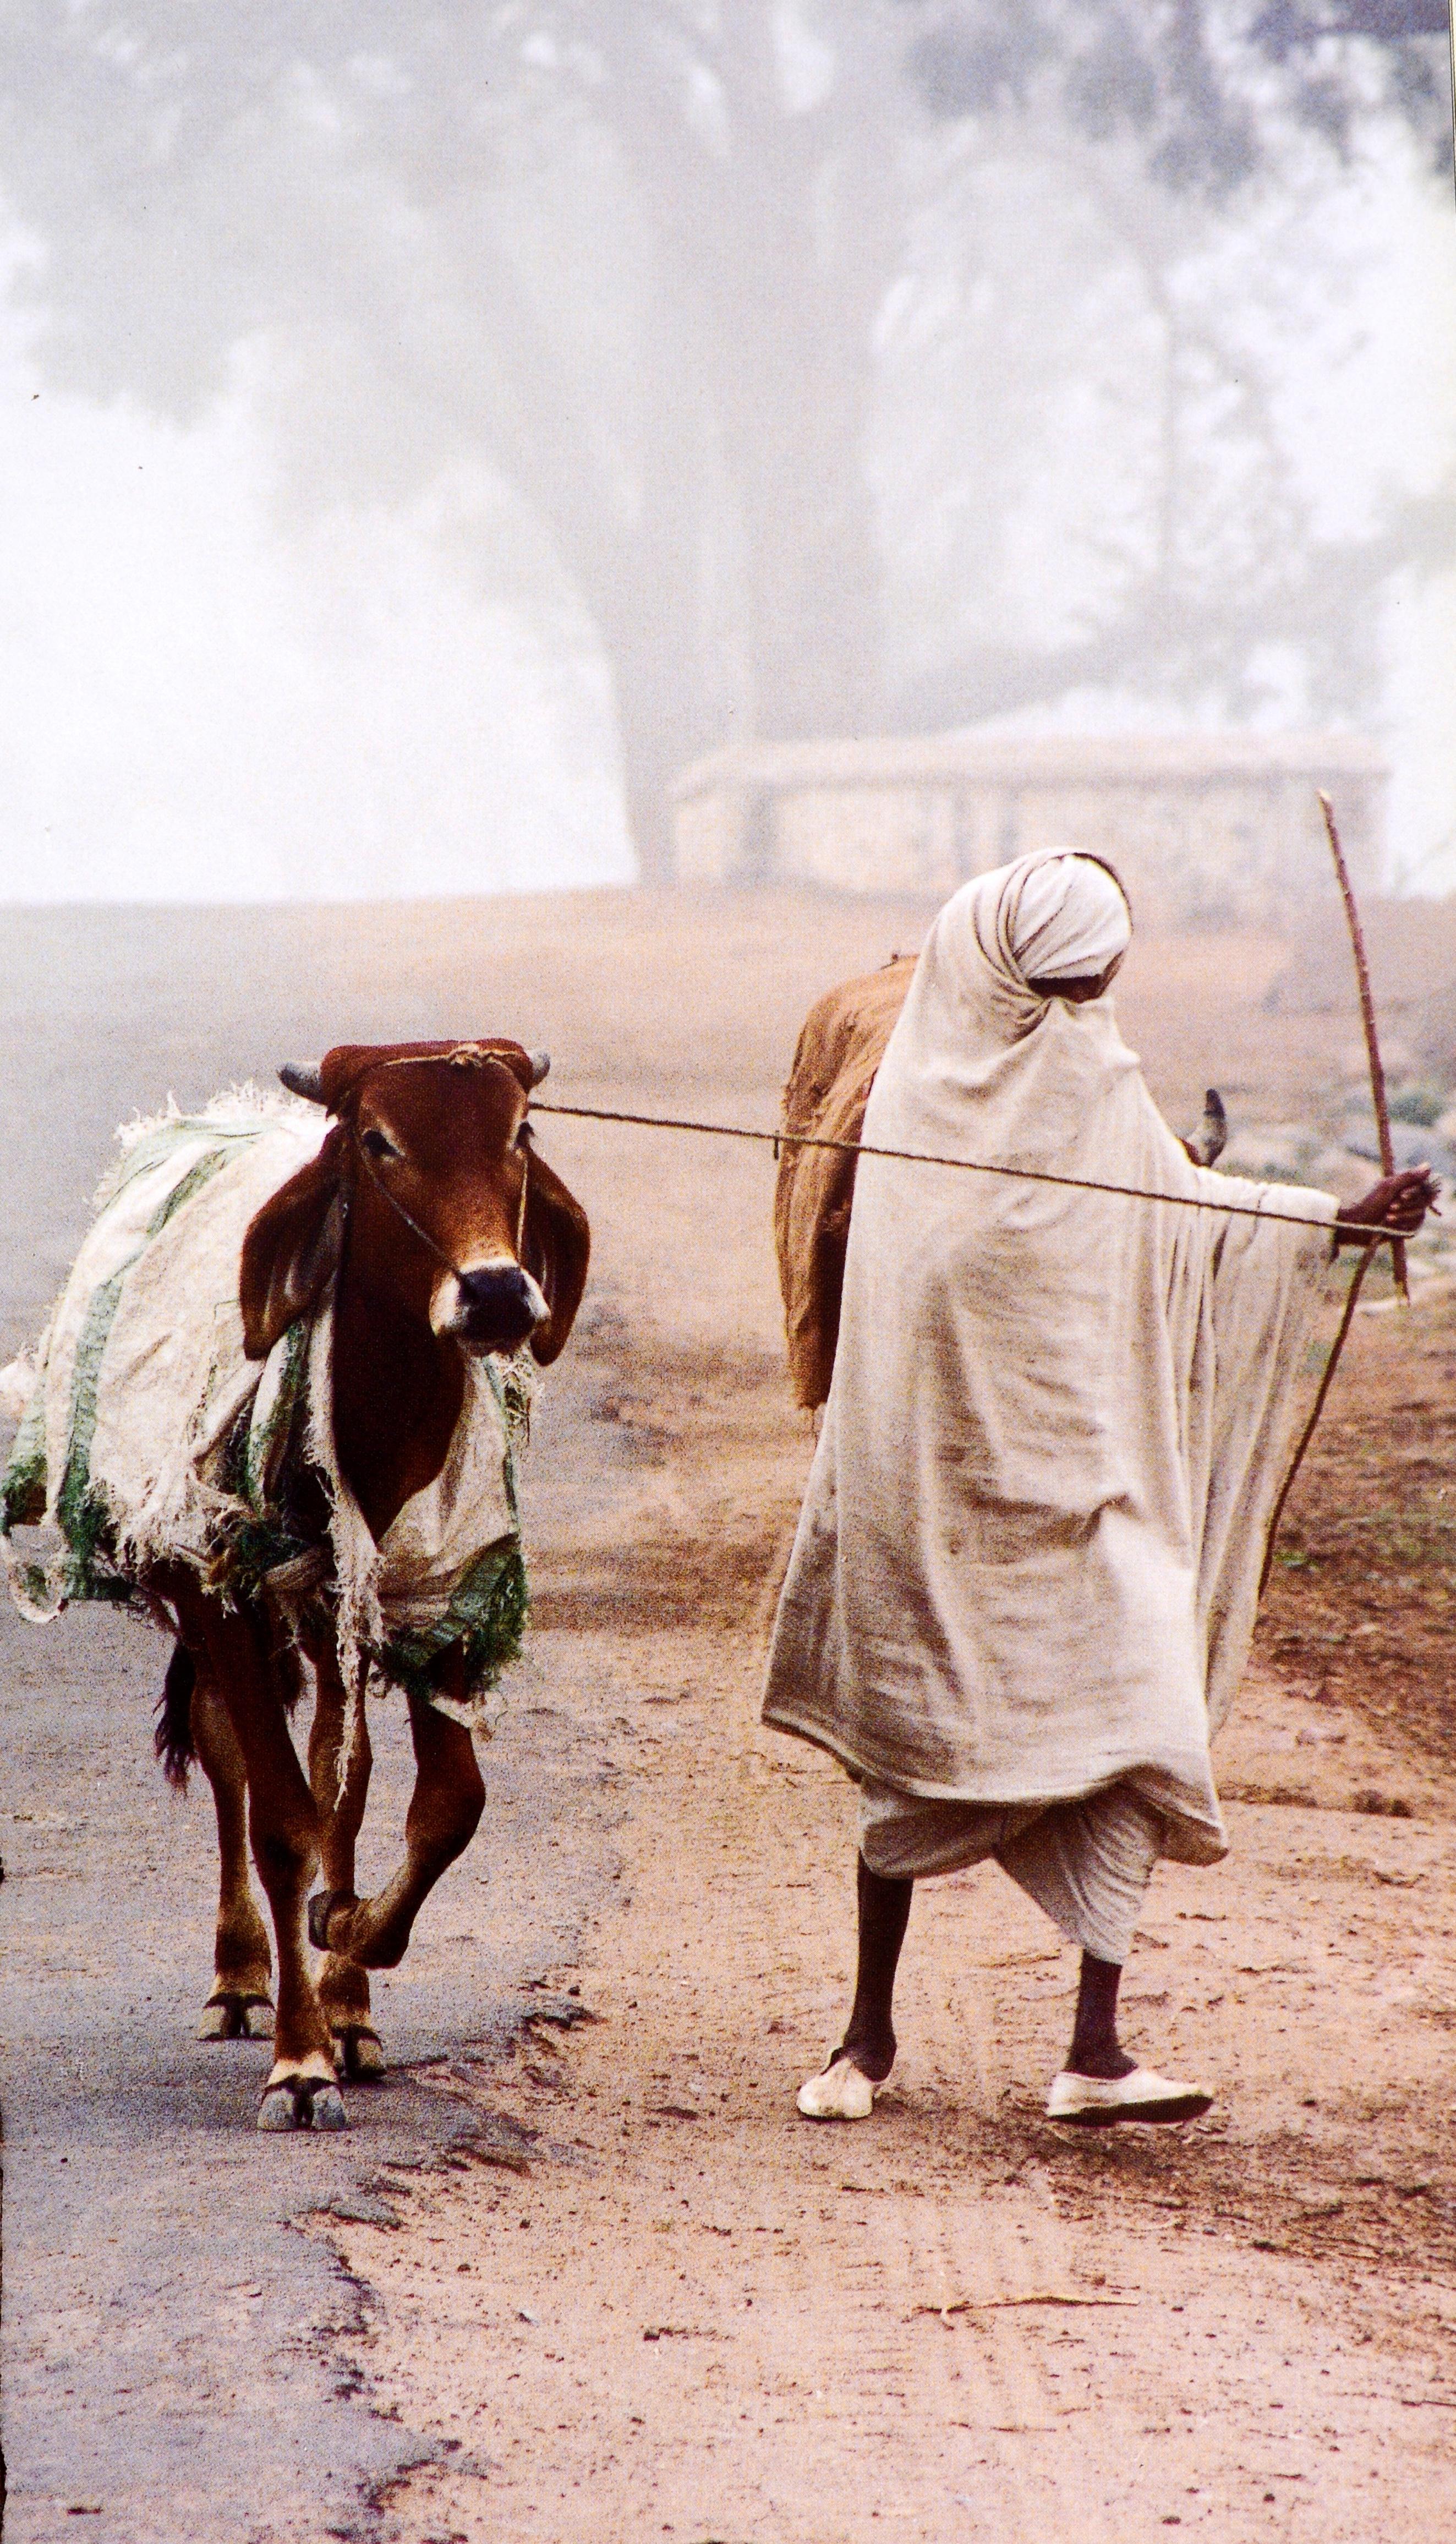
(1106, 2060)
(874, 2056)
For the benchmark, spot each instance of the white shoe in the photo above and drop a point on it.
(842, 2093)
(1096, 2102)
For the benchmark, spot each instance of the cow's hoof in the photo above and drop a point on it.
(280, 2109)
(358, 2053)
(320, 1909)
(307, 2099)
(227, 2016)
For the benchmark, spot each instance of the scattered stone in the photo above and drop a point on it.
(360, 2208)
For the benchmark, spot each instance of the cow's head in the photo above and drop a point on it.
(429, 1180)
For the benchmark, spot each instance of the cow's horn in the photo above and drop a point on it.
(540, 1061)
(304, 1077)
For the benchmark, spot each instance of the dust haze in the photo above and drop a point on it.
(425, 436)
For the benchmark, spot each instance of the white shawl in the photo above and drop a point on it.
(1028, 1562)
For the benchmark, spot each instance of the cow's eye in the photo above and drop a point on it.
(374, 1145)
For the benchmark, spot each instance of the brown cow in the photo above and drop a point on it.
(838, 1051)
(443, 1235)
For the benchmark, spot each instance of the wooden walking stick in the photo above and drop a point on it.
(1387, 1168)
(1367, 1019)
(1351, 1299)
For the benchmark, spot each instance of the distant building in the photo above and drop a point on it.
(1206, 829)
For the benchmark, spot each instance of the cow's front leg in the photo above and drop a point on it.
(443, 1815)
(240, 2006)
(282, 1821)
(339, 1760)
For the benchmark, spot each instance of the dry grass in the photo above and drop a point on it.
(1362, 1600)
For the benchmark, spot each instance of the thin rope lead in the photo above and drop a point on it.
(777, 1140)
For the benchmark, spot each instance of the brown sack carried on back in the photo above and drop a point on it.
(840, 1049)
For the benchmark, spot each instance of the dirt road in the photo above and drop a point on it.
(699, 2316)
(645, 2298)
(167, 2368)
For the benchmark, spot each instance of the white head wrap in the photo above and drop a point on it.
(1071, 919)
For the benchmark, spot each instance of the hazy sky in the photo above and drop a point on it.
(1364, 387)
(209, 695)
(202, 703)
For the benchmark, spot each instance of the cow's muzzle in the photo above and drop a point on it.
(494, 1308)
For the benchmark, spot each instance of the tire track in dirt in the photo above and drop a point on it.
(1010, 2247)
(975, 2375)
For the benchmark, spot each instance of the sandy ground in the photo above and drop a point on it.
(644, 2298)
(698, 2315)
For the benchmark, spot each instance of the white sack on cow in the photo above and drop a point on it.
(141, 1374)
(1027, 1563)
(150, 1437)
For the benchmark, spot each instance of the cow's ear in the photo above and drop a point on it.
(291, 1249)
(558, 1246)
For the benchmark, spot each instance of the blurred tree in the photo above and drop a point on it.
(1209, 86)
(627, 258)
(1146, 480)
(627, 261)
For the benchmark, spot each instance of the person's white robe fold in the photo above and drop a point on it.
(1027, 1563)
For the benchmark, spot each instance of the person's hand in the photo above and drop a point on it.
(1396, 1204)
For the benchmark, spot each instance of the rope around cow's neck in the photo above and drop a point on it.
(1353, 1229)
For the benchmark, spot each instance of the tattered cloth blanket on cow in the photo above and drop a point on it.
(149, 1436)
(1027, 1563)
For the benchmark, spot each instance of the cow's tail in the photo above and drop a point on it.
(173, 1742)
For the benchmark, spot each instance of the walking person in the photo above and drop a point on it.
(1026, 1574)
